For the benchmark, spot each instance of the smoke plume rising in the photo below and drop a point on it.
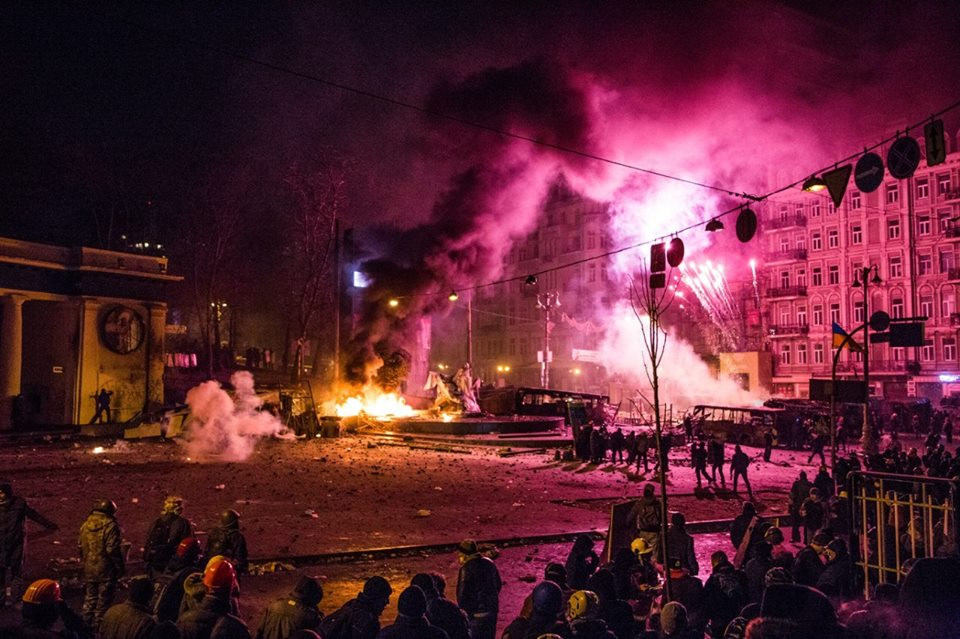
(226, 428)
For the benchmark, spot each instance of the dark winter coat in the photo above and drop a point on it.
(716, 453)
(740, 462)
(127, 621)
(168, 593)
(536, 625)
(14, 513)
(813, 514)
(834, 581)
(680, 545)
(29, 632)
(590, 629)
(618, 615)
(724, 594)
(807, 567)
(799, 492)
(446, 615)
(739, 527)
(287, 615)
(478, 587)
(166, 533)
(230, 543)
(212, 620)
(356, 619)
(411, 628)
(824, 483)
(99, 544)
(647, 512)
(755, 570)
(688, 591)
(581, 563)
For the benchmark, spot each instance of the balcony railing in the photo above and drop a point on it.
(786, 222)
(781, 330)
(787, 291)
(954, 319)
(789, 255)
(950, 194)
(952, 232)
(881, 366)
(953, 274)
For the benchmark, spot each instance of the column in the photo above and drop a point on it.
(11, 355)
(88, 360)
(154, 353)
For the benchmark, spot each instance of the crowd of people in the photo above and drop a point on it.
(652, 589)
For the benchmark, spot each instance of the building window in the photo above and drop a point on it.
(943, 220)
(592, 273)
(896, 266)
(815, 209)
(833, 275)
(802, 315)
(923, 189)
(784, 315)
(801, 353)
(947, 260)
(896, 308)
(513, 346)
(898, 354)
(947, 304)
(893, 193)
(784, 244)
(925, 264)
(831, 209)
(801, 277)
(833, 238)
(926, 306)
(943, 183)
(817, 276)
(785, 354)
(817, 315)
(784, 279)
(926, 353)
(923, 226)
(949, 349)
(856, 234)
(835, 312)
(818, 353)
(893, 228)
(591, 239)
(798, 210)
(855, 201)
(858, 312)
(816, 241)
(801, 241)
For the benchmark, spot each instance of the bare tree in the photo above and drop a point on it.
(649, 305)
(318, 187)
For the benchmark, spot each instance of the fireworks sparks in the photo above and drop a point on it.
(708, 283)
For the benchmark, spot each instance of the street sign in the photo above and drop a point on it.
(675, 252)
(879, 321)
(746, 225)
(658, 280)
(843, 390)
(549, 357)
(658, 258)
(585, 355)
(903, 158)
(906, 334)
(837, 181)
(911, 388)
(879, 338)
(936, 144)
(868, 176)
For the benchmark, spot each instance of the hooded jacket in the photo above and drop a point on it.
(287, 615)
(406, 627)
(127, 621)
(229, 542)
(99, 544)
(212, 620)
(478, 586)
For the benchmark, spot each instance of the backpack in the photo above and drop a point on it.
(157, 541)
(336, 625)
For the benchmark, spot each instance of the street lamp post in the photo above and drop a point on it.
(546, 302)
(862, 277)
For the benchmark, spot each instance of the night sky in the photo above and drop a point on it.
(109, 113)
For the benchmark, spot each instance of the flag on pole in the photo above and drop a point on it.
(839, 335)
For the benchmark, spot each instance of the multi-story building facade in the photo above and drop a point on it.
(812, 250)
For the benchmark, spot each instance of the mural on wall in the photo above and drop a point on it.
(122, 330)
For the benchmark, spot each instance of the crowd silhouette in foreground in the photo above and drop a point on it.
(768, 589)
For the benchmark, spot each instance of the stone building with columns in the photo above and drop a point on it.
(74, 321)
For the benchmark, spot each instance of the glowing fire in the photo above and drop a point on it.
(375, 403)
(446, 417)
(98, 450)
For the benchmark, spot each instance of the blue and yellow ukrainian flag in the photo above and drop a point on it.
(839, 335)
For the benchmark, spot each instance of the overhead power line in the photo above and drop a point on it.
(405, 104)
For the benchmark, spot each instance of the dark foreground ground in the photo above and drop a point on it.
(320, 496)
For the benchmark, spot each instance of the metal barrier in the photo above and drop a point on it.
(896, 518)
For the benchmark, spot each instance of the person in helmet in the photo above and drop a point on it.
(411, 621)
(646, 573)
(582, 612)
(615, 612)
(43, 607)
(296, 611)
(169, 585)
(441, 612)
(212, 619)
(102, 560)
(220, 574)
(545, 614)
(581, 562)
(646, 514)
(478, 590)
(359, 618)
(166, 533)
(14, 513)
(131, 619)
(227, 540)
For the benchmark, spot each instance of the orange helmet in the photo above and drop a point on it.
(219, 574)
(189, 547)
(43, 591)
